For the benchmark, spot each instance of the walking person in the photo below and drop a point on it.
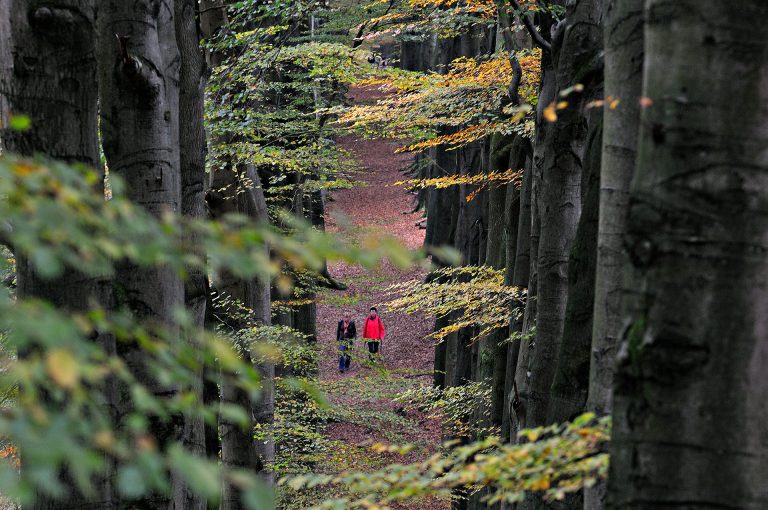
(373, 333)
(345, 336)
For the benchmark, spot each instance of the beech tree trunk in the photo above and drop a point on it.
(139, 99)
(570, 385)
(575, 49)
(493, 349)
(623, 39)
(690, 390)
(192, 153)
(520, 275)
(546, 95)
(239, 449)
(48, 72)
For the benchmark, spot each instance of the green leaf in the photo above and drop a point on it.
(202, 476)
(19, 122)
(130, 483)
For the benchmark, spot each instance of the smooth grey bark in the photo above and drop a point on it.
(192, 152)
(493, 349)
(138, 80)
(546, 95)
(520, 276)
(47, 72)
(623, 81)
(570, 384)
(623, 41)
(690, 391)
(239, 449)
(576, 54)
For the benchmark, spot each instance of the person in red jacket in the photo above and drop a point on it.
(373, 332)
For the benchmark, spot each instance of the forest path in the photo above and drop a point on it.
(376, 206)
(362, 397)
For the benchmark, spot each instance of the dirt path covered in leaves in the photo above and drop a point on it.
(363, 396)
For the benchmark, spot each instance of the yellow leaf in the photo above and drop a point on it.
(549, 113)
(562, 105)
(62, 367)
(24, 169)
(104, 439)
(541, 484)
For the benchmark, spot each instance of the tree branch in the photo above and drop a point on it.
(538, 39)
(517, 78)
(358, 40)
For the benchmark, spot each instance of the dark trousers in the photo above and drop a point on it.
(373, 346)
(344, 357)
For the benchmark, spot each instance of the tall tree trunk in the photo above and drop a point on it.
(493, 348)
(623, 40)
(576, 55)
(546, 95)
(520, 275)
(239, 449)
(568, 394)
(192, 151)
(571, 381)
(690, 390)
(623, 81)
(138, 79)
(48, 72)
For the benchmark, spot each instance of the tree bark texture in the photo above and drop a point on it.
(568, 395)
(139, 98)
(496, 258)
(546, 95)
(520, 276)
(48, 72)
(192, 152)
(239, 449)
(690, 390)
(575, 53)
(623, 40)
(623, 81)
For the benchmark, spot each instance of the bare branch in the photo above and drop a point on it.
(538, 39)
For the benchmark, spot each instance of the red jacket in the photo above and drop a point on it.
(373, 328)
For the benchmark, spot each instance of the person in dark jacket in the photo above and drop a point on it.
(345, 336)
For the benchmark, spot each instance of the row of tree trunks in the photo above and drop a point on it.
(143, 66)
(684, 297)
